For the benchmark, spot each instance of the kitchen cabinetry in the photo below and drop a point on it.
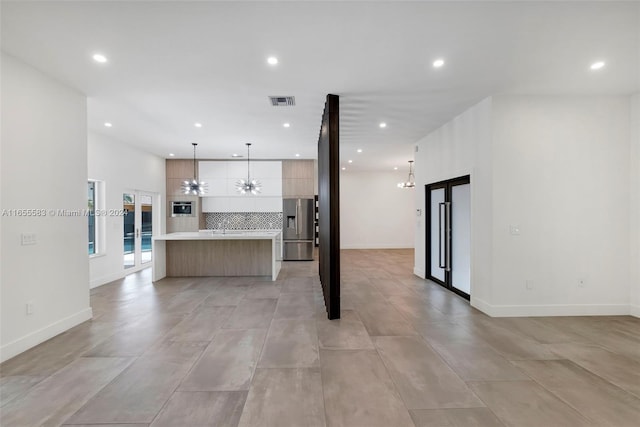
(176, 172)
(287, 178)
(222, 195)
(217, 254)
(222, 176)
(298, 179)
(242, 204)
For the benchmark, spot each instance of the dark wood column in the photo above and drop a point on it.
(329, 205)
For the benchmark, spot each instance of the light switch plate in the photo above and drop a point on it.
(514, 230)
(28, 239)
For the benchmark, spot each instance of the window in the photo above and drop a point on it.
(91, 215)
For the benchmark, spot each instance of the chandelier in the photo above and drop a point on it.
(194, 187)
(249, 185)
(411, 180)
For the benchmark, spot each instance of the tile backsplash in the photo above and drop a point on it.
(243, 220)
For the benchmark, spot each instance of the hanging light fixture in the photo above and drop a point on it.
(411, 180)
(194, 187)
(252, 186)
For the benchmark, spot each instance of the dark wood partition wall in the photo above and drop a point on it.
(329, 206)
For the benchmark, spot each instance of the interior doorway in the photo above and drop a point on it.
(448, 208)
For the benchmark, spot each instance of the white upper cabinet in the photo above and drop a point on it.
(221, 177)
(210, 170)
(242, 204)
(216, 187)
(236, 170)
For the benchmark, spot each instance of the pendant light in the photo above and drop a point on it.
(249, 185)
(194, 187)
(411, 180)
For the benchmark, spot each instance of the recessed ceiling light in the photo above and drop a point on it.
(350, 161)
(395, 168)
(107, 124)
(344, 169)
(272, 60)
(438, 63)
(286, 125)
(171, 154)
(98, 57)
(597, 65)
(383, 125)
(236, 155)
(198, 125)
(297, 155)
(359, 150)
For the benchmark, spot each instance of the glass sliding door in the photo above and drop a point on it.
(437, 229)
(460, 237)
(138, 228)
(92, 216)
(129, 232)
(449, 234)
(146, 227)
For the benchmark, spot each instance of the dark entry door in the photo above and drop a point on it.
(448, 208)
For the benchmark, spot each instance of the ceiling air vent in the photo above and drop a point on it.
(283, 101)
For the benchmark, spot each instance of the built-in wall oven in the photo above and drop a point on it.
(182, 209)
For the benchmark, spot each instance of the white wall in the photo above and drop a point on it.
(561, 173)
(374, 212)
(558, 168)
(461, 147)
(44, 151)
(122, 168)
(634, 261)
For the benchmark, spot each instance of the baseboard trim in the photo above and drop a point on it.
(103, 280)
(551, 310)
(20, 345)
(634, 310)
(482, 306)
(419, 272)
(375, 246)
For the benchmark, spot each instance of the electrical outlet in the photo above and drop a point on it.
(514, 230)
(528, 284)
(29, 307)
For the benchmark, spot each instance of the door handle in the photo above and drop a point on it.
(297, 218)
(444, 235)
(137, 232)
(447, 242)
(441, 237)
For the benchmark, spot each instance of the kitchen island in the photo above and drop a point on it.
(217, 253)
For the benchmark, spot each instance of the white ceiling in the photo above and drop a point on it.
(175, 63)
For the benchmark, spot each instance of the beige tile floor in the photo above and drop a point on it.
(246, 352)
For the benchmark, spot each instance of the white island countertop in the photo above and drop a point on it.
(221, 235)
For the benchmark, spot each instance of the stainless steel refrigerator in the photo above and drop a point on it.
(298, 229)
